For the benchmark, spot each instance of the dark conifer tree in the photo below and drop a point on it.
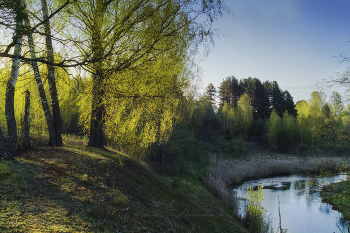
(268, 86)
(259, 99)
(210, 91)
(278, 101)
(243, 83)
(236, 91)
(289, 105)
(225, 91)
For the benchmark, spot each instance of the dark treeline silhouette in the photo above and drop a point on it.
(263, 96)
(246, 107)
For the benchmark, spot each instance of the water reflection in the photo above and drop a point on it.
(299, 185)
(300, 203)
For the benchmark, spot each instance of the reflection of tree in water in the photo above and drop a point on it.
(277, 187)
(299, 185)
(325, 208)
(286, 185)
(313, 183)
(343, 224)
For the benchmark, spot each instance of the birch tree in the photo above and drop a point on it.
(37, 77)
(245, 116)
(274, 130)
(128, 35)
(11, 84)
(56, 114)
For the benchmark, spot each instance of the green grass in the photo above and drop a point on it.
(338, 195)
(80, 189)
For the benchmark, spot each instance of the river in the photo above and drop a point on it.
(301, 207)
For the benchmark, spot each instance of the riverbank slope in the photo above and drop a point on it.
(75, 188)
(338, 195)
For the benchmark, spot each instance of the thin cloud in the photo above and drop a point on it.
(268, 9)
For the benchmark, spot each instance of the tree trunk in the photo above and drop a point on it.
(49, 120)
(97, 137)
(4, 153)
(26, 139)
(56, 115)
(10, 94)
(11, 120)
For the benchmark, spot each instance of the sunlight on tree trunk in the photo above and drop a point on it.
(45, 105)
(56, 115)
(10, 91)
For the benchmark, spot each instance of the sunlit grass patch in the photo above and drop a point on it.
(119, 198)
(74, 139)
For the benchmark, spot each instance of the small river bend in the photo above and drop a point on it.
(300, 203)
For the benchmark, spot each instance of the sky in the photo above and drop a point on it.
(294, 42)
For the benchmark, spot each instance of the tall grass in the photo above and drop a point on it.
(234, 171)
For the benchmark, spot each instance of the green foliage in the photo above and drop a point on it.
(346, 124)
(337, 195)
(230, 91)
(255, 212)
(259, 99)
(320, 126)
(119, 198)
(67, 96)
(239, 120)
(245, 120)
(275, 130)
(226, 116)
(336, 103)
(240, 147)
(4, 170)
(283, 133)
(210, 91)
(68, 91)
(205, 121)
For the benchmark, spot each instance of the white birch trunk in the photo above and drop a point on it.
(10, 94)
(56, 115)
(49, 121)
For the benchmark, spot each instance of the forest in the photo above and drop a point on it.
(119, 77)
(262, 112)
(117, 71)
(106, 72)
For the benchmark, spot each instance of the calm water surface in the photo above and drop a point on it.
(300, 204)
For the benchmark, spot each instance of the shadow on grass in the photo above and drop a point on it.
(68, 191)
(80, 189)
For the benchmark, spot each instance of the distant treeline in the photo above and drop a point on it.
(263, 96)
(261, 111)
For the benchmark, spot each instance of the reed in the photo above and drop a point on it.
(234, 171)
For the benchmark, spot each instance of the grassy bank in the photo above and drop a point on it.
(338, 195)
(79, 189)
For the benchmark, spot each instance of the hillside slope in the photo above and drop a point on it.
(79, 189)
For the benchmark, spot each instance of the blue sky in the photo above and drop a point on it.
(293, 42)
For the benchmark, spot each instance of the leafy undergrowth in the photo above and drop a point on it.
(80, 189)
(338, 195)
